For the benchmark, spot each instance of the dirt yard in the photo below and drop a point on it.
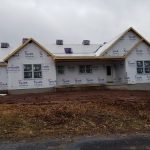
(74, 113)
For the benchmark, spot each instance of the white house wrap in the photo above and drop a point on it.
(124, 60)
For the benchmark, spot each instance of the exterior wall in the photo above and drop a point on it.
(120, 72)
(141, 53)
(3, 79)
(31, 54)
(123, 45)
(98, 75)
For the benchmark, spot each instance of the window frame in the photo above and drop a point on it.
(85, 69)
(143, 67)
(32, 71)
(27, 71)
(147, 67)
(59, 69)
(37, 71)
(139, 67)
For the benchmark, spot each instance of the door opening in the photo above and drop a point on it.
(109, 74)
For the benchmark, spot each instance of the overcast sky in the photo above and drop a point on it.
(72, 20)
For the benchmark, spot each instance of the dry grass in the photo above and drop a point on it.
(72, 118)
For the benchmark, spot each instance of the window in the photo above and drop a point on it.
(139, 70)
(68, 50)
(88, 69)
(37, 71)
(28, 71)
(85, 69)
(143, 67)
(147, 66)
(82, 69)
(139, 67)
(32, 71)
(60, 69)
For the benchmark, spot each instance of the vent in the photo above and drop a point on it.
(68, 50)
(86, 42)
(4, 45)
(24, 40)
(59, 42)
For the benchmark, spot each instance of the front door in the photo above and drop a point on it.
(109, 73)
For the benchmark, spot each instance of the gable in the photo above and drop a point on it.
(123, 45)
(140, 51)
(30, 53)
(26, 44)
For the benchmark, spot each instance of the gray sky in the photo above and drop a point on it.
(72, 20)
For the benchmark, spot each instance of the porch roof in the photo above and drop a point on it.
(87, 58)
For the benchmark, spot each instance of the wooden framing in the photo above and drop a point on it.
(3, 64)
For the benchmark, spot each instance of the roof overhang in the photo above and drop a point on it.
(3, 64)
(87, 58)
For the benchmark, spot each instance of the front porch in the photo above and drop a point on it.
(90, 73)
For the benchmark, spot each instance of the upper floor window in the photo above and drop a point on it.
(85, 69)
(32, 71)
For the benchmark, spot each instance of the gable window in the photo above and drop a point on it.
(85, 69)
(60, 69)
(32, 71)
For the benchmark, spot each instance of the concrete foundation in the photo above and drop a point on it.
(141, 87)
(25, 91)
(110, 86)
